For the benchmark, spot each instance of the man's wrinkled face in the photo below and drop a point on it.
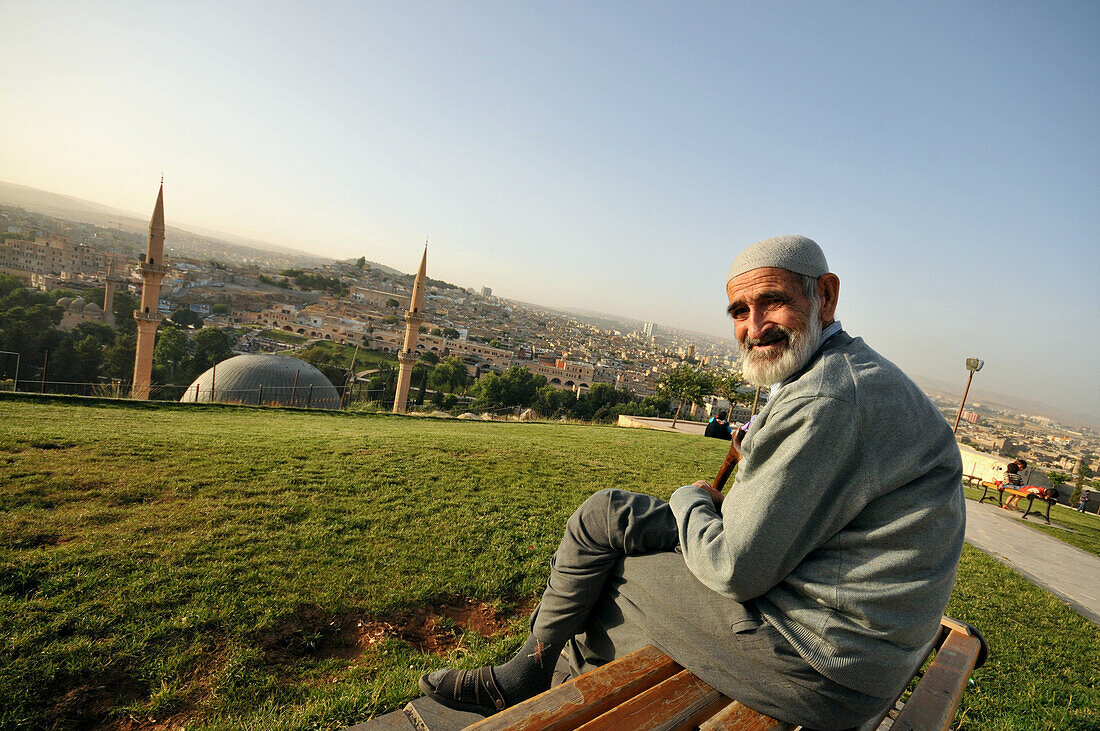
(777, 326)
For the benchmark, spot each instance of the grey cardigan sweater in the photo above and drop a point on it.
(845, 522)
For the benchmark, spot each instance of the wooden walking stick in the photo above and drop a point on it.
(727, 467)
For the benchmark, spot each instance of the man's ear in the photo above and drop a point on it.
(828, 289)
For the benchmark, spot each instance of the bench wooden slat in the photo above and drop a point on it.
(682, 701)
(648, 690)
(936, 697)
(739, 717)
(580, 700)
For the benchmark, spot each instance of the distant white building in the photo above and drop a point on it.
(649, 329)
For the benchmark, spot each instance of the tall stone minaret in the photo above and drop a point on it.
(152, 271)
(413, 317)
(109, 283)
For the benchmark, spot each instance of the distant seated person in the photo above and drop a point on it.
(1014, 480)
(1013, 470)
(1083, 502)
(719, 426)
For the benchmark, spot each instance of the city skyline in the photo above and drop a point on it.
(588, 158)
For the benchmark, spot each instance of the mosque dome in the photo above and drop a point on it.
(92, 309)
(277, 380)
(65, 302)
(77, 305)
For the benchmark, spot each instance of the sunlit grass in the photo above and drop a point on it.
(202, 565)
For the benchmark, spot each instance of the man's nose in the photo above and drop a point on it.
(758, 323)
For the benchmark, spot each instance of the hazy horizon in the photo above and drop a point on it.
(612, 158)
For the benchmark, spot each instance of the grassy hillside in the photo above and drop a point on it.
(221, 567)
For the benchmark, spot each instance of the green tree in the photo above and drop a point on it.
(104, 335)
(209, 346)
(651, 406)
(517, 386)
(1057, 479)
(172, 351)
(448, 375)
(1083, 472)
(554, 402)
(686, 384)
(186, 317)
(360, 262)
(605, 401)
(423, 381)
(30, 331)
(119, 356)
(89, 359)
(392, 303)
(220, 309)
(328, 361)
(727, 385)
(450, 333)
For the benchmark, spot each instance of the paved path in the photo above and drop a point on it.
(1065, 570)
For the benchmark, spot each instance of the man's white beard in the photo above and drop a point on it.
(761, 370)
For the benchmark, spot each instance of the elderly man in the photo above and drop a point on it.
(809, 592)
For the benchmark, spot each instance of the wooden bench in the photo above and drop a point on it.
(648, 690)
(1031, 498)
(999, 489)
(997, 494)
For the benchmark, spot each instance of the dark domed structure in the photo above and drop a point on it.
(277, 380)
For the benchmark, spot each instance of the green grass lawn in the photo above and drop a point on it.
(366, 359)
(1077, 529)
(284, 336)
(224, 567)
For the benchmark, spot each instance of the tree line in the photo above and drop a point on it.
(95, 353)
(89, 352)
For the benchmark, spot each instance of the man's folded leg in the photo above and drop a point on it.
(607, 526)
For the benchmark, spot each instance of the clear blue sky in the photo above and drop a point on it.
(613, 156)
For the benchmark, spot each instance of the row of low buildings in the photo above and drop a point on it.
(51, 261)
(569, 354)
(325, 321)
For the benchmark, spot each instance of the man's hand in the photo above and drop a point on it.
(715, 495)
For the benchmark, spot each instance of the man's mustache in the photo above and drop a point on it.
(779, 334)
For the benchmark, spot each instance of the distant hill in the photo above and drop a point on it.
(54, 204)
(939, 387)
(84, 211)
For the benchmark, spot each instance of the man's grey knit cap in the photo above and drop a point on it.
(796, 254)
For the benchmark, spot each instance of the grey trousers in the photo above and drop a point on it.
(618, 582)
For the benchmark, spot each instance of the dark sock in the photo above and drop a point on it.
(529, 672)
(525, 675)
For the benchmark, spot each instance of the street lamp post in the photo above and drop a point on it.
(973, 365)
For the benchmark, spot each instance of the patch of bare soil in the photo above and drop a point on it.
(309, 633)
(86, 706)
(432, 629)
